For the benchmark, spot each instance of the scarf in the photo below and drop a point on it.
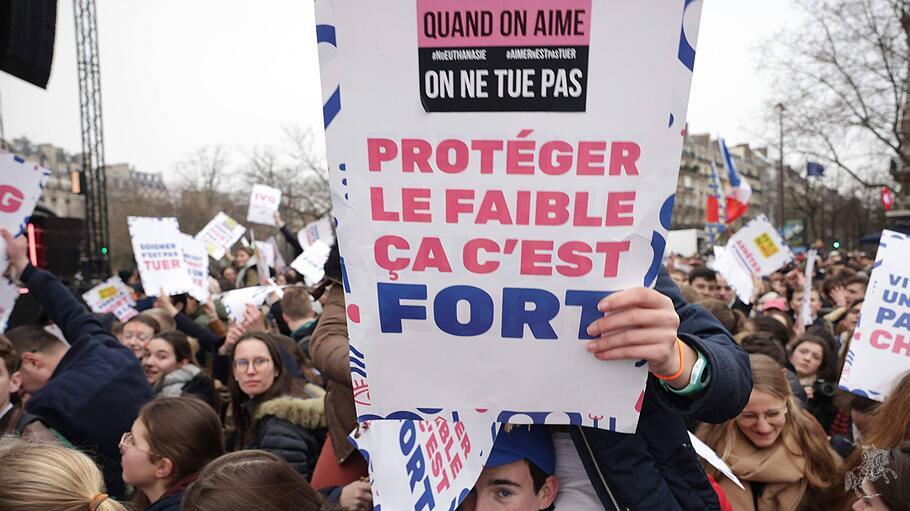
(172, 384)
(780, 471)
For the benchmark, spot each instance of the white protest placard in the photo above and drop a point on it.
(491, 188)
(265, 253)
(310, 264)
(196, 259)
(9, 293)
(220, 234)
(279, 263)
(805, 310)
(758, 247)
(683, 242)
(111, 297)
(424, 465)
(264, 202)
(320, 229)
(21, 186)
(159, 257)
(235, 301)
(879, 353)
(739, 277)
(708, 454)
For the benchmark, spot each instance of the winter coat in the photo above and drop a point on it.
(248, 275)
(97, 389)
(291, 428)
(657, 468)
(329, 350)
(172, 500)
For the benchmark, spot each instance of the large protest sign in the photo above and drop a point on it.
(196, 260)
(476, 245)
(220, 234)
(310, 264)
(423, 465)
(264, 202)
(21, 185)
(756, 250)
(235, 301)
(159, 256)
(111, 296)
(879, 353)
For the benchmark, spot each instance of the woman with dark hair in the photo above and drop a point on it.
(251, 480)
(245, 263)
(775, 448)
(772, 325)
(274, 411)
(137, 332)
(169, 443)
(815, 364)
(172, 370)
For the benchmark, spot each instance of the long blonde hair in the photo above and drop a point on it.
(49, 477)
(801, 434)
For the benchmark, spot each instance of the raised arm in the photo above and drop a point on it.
(329, 344)
(55, 299)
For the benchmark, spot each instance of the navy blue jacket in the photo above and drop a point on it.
(97, 389)
(657, 468)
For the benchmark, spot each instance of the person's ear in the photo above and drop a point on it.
(164, 468)
(286, 318)
(547, 493)
(182, 363)
(31, 358)
(15, 382)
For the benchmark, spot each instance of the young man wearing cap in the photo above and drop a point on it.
(518, 475)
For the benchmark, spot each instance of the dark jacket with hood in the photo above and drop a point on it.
(97, 389)
(657, 468)
(292, 428)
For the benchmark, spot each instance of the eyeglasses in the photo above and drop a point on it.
(259, 363)
(127, 441)
(775, 417)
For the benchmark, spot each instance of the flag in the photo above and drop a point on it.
(716, 208)
(887, 198)
(814, 169)
(740, 192)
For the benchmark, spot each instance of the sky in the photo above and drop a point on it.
(177, 76)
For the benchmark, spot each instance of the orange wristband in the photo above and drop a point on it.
(677, 374)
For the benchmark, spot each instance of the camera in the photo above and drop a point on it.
(824, 388)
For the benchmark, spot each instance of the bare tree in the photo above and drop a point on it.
(203, 184)
(842, 78)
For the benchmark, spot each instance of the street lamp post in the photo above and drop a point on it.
(780, 113)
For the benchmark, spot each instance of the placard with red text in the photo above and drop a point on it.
(476, 242)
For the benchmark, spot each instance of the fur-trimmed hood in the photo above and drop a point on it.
(305, 412)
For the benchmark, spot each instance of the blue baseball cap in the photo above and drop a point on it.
(533, 443)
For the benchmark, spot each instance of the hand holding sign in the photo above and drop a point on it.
(640, 324)
(16, 252)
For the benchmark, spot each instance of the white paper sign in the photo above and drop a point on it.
(708, 454)
(265, 253)
(879, 354)
(111, 296)
(220, 234)
(491, 188)
(450, 457)
(21, 186)
(264, 202)
(235, 301)
(758, 247)
(9, 293)
(310, 264)
(805, 311)
(196, 259)
(317, 230)
(159, 257)
(739, 278)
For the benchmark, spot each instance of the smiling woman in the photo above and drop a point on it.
(775, 447)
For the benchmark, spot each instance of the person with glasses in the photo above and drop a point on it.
(775, 448)
(272, 410)
(164, 450)
(137, 332)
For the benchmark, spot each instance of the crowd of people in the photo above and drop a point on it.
(180, 408)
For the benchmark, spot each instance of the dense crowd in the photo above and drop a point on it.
(180, 408)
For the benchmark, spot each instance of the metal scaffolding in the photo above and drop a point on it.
(89, 71)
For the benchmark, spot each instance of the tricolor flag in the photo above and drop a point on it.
(814, 169)
(740, 192)
(716, 209)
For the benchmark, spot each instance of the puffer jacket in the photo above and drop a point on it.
(293, 428)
